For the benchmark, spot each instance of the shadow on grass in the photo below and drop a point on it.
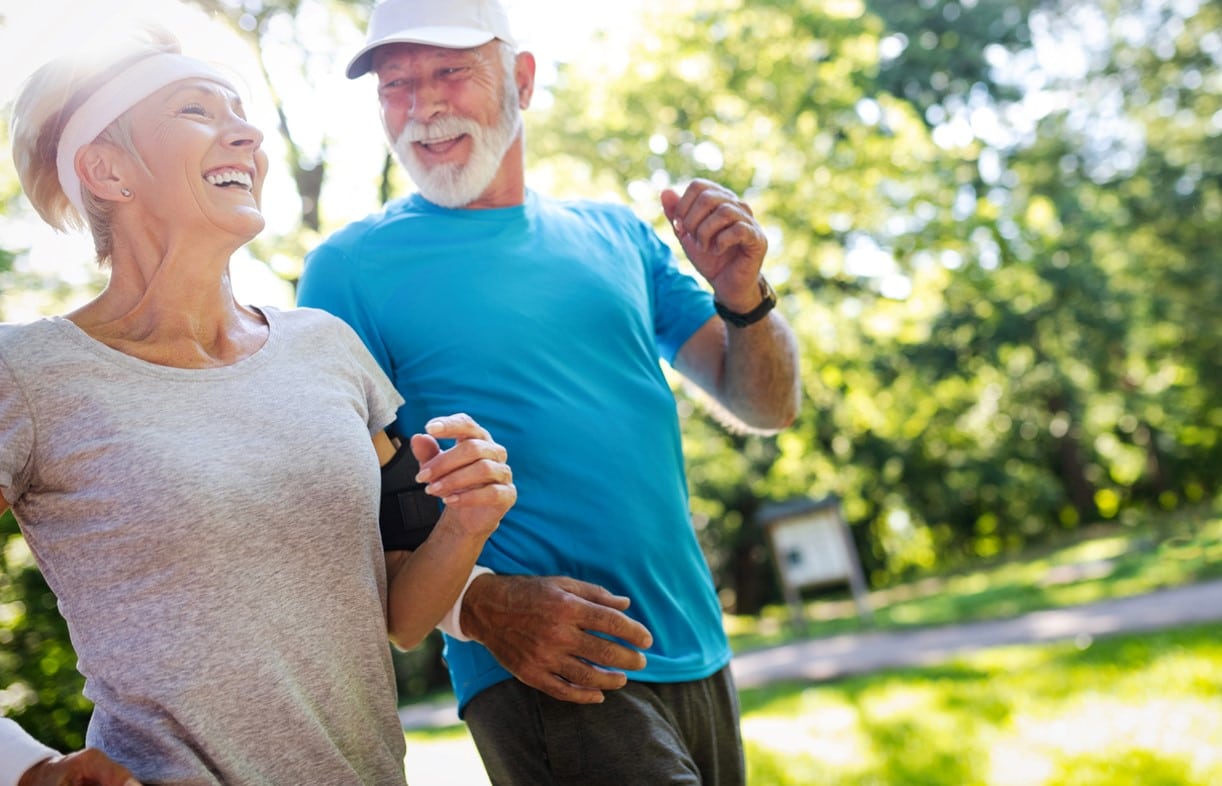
(1065, 712)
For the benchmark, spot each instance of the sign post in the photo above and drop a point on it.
(812, 547)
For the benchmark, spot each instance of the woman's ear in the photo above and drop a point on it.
(100, 172)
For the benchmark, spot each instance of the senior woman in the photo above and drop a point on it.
(197, 478)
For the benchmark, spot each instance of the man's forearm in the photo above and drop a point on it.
(760, 383)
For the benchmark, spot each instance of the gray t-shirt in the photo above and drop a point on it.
(212, 538)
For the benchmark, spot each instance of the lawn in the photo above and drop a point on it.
(1110, 712)
(1115, 711)
(1095, 564)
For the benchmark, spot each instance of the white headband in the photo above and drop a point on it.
(113, 99)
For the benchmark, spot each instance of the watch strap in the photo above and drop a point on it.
(739, 319)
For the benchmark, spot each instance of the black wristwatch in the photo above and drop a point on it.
(754, 315)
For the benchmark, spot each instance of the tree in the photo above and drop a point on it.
(42, 688)
(982, 347)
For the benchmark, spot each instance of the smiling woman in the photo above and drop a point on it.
(115, 151)
(55, 268)
(163, 418)
(92, 139)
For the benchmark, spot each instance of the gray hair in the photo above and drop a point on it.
(47, 100)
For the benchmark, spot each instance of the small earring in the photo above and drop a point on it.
(125, 192)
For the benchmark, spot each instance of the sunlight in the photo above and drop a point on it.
(334, 116)
(1099, 726)
(826, 728)
(451, 761)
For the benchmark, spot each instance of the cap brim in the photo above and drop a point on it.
(445, 37)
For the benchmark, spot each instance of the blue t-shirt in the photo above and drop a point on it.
(545, 322)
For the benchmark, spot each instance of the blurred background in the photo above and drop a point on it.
(996, 228)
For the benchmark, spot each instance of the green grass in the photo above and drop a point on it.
(1139, 709)
(1097, 564)
(1119, 711)
(1114, 712)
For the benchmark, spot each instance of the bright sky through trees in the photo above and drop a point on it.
(330, 107)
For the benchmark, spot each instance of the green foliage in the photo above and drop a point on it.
(1003, 305)
(1085, 566)
(938, 51)
(39, 685)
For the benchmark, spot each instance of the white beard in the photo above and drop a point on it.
(457, 184)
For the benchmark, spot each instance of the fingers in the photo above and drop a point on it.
(670, 204)
(710, 218)
(89, 766)
(580, 684)
(424, 448)
(473, 471)
(604, 614)
(567, 638)
(456, 426)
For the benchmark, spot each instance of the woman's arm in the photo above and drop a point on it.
(474, 481)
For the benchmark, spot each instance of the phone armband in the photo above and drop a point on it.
(407, 514)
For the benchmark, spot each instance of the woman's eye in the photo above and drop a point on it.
(193, 109)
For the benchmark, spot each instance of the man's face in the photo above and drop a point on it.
(451, 114)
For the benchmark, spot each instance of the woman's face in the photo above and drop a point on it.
(205, 162)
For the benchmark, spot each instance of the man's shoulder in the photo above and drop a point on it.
(360, 230)
(600, 208)
(615, 222)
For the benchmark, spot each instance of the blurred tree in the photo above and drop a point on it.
(985, 357)
(298, 42)
(40, 687)
(994, 226)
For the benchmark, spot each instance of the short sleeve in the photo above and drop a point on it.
(16, 435)
(381, 397)
(680, 304)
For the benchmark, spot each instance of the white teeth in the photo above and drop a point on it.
(229, 177)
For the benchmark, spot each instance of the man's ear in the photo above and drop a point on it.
(524, 76)
(100, 170)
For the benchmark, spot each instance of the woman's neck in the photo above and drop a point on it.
(175, 312)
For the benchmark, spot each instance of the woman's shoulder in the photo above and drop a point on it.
(311, 324)
(304, 318)
(18, 335)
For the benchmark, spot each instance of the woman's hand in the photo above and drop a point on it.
(472, 478)
(89, 767)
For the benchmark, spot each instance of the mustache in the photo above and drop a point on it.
(444, 127)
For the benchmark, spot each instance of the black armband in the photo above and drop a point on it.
(407, 513)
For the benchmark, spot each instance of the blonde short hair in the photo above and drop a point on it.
(47, 100)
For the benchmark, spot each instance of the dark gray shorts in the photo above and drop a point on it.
(644, 733)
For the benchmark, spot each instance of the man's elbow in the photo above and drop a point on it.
(774, 422)
(781, 415)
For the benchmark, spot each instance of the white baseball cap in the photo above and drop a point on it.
(453, 24)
